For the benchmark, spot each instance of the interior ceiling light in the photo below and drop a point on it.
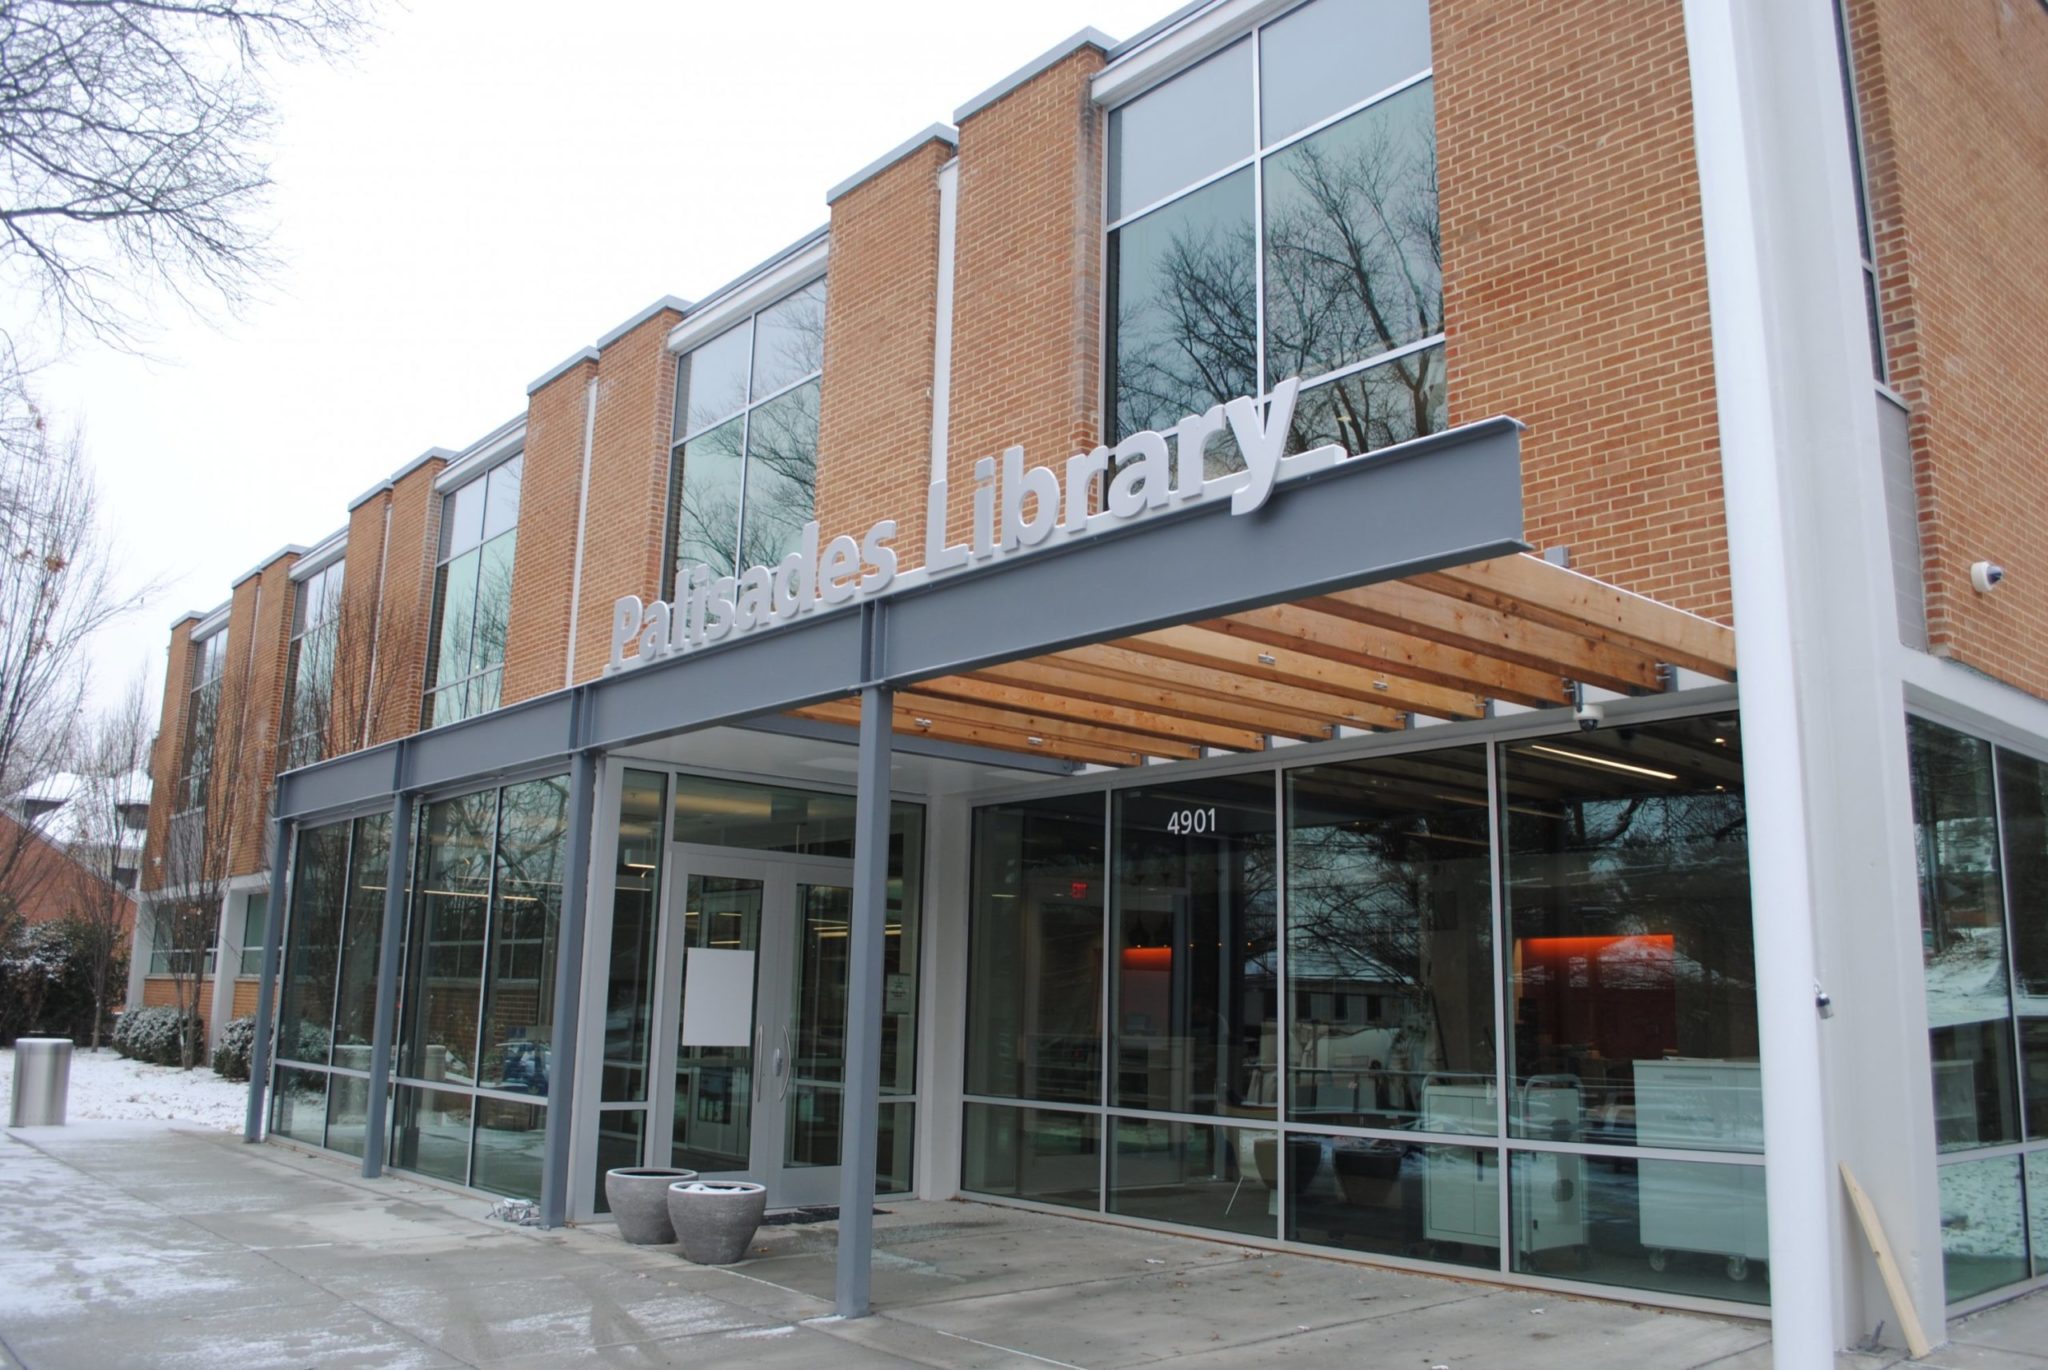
(1583, 759)
(1268, 659)
(1036, 741)
(922, 722)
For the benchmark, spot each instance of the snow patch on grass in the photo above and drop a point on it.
(110, 1088)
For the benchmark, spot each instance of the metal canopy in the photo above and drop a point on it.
(1196, 599)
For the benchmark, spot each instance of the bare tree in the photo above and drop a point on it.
(113, 788)
(58, 586)
(131, 147)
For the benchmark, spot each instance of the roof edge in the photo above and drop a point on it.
(943, 133)
(1058, 52)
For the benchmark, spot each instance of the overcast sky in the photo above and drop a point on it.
(487, 186)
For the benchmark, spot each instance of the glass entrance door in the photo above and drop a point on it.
(755, 977)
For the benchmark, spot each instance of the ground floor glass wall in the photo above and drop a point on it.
(1490, 1005)
(1980, 818)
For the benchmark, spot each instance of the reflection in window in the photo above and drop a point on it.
(310, 664)
(1342, 277)
(526, 908)
(473, 596)
(744, 471)
(1034, 999)
(1389, 943)
(1195, 996)
(2023, 813)
(1631, 960)
(445, 947)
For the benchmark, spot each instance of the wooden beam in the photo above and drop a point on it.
(1398, 656)
(1464, 626)
(1531, 588)
(1045, 725)
(1060, 704)
(1219, 675)
(1241, 655)
(999, 739)
(1145, 692)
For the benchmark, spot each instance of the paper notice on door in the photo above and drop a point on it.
(718, 997)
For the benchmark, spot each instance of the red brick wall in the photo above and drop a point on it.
(355, 634)
(167, 754)
(252, 704)
(875, 411)
(1027, 279)
(1575, 291)
(1956, 145)
(405, 614)
(623, 527)
(550, 483)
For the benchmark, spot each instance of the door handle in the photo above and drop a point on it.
(754, 1063)
(782, 1066)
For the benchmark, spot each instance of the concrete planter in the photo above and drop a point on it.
(639, 1200)
(716, 1219)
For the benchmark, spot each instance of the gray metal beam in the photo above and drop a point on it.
(273, 937)
(1439, 501)
(860, 1106)
(554, 1183)
(397, 880)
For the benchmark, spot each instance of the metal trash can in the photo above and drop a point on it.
(42, 1081)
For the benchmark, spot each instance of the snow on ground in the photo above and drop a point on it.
(110, 1088)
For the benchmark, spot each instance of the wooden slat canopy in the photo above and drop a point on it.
(1517, 629)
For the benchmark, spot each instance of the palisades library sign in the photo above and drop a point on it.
(1018, 509)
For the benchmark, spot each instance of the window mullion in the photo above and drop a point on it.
(1258, 227)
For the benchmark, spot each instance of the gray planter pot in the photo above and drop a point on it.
(639, 1200)
(715, 1220)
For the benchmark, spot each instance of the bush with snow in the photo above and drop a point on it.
(231, 1057)
(152, 1035)
(45, 985)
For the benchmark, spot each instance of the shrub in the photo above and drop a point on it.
(231, 1057)
(151, 1035)
(45, 988)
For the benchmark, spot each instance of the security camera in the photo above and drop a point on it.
(1589, 716)
(1986, 575)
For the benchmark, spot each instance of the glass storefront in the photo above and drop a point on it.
(1980, 816)
(1489, 1006)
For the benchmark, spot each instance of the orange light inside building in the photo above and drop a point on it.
(1148, 958)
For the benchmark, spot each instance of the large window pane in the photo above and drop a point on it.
(789, 340)
(458, 617)
(782, 475)
(493, 604)
(1171, 137)
(298, 1105)
(2023, 809)
(1378, 407)
(1183, 302)
(636, 896)
(2037, 1210)
(619, 1140)
(445, 949)
(1196, 1006)
(305, 1009)
(1034, 977)
(510, 1139)
(462, 518)
(1204, 1174)
(255, 929)
(1962, 935)
(1390, 943)
(1983, 1226)
(713, 380)
(1630, 938)
(519, 989)
(708, 516)
(1684, 1227)
(1029, 1153)
(355, 1010)
(501, 500)
(430, 1132)
(1439, 1203)
(1354, 264)
(1330, 55)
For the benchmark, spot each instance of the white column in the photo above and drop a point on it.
(227, 959)
(942, 998)
(1822, 706)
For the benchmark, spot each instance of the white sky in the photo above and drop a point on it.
(486, 187)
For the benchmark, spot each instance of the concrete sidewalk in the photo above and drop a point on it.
(153, 1245)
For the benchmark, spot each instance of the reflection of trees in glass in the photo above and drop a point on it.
(782, 476)
(1353, 268)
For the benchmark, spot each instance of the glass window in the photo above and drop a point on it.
(743, 474)
(1631, 956)
(473, 595)
(255, 927)
(1439, 1203)
(1034, 976)
(355, 1010)
(1983, 1226)
(510, 1140)
(636, 898)
(1209, 300)
(202, 714)
(430, 1132)
(1030, 1153)
(1685, 1227)
(2023, 814)
(1202, 1175)
(310, 667)
(445, 947)
(526, 907)
(305, 1011)
(1311, 63)
(298, 1105)
(1177, 133)
(1390, 943)
(1196, 1002)
(1962, 937)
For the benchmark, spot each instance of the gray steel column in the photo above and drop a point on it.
(860, 1107)
(397, 877)
(273, 935)
(554, 1182)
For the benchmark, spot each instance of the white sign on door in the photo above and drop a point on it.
(718, 997)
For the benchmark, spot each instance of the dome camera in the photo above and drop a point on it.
(1986, 575)
(1589, 716)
